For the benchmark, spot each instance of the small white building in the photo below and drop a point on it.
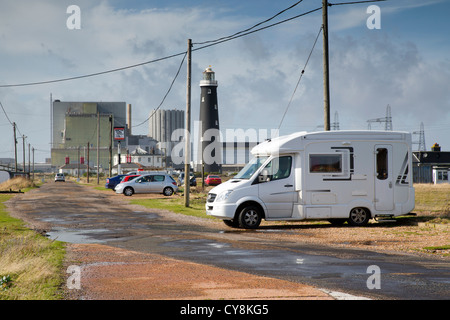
(73, 168)
(441, 175)
(142, 157)
(139, 159)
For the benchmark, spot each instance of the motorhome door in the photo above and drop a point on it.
(276, 187)
(384, 180)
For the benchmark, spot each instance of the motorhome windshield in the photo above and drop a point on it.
(251, 167)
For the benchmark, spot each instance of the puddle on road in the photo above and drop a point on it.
(55, 220)
(76, 236)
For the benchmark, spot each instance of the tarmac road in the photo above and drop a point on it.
(78, 214)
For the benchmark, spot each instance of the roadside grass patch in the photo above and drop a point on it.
(441, 250)
(433, 201)
(176, 204)
(16, 184)
(446, 247)
(30, 264)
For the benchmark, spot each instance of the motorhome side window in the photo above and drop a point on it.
(382, 163)
(325, 163)
(278, 168)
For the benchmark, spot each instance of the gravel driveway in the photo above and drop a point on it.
(109, 272)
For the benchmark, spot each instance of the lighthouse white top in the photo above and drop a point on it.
(208, 78)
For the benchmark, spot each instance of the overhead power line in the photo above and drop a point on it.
(4, 111)
(353, 2)
(301, 75)
(91, 74)
(208, 44)
(260, 29)
(9, 120)
(164, 98)
(248, 29)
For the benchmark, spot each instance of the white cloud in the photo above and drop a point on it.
(257, 74)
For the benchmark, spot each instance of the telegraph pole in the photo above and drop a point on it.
(32, 149)
(15, 147)
(88, 162)
(326, 74)
(98, 147)
(29, 158)
(187, 152)
(111, 146)
(23, 140)
(326, 69)
(78, 164)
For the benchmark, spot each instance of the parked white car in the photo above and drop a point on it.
(60, 177)
(149, 183)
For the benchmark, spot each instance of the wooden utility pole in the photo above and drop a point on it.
(32, 149)
(78, 164)
(111, 145)
(187, 151)
(88, 162)
(15, 147)
(98, 147)
(23, 142)
(326, 74)
(29, 158)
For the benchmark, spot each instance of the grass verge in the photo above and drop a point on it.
(433, 202)
(176, 204)
(30, 264)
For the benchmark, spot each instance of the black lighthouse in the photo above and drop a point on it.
(211, 147)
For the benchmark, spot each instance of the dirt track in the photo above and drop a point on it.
(109, 272)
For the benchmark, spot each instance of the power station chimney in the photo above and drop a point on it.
(129, 119)
(211, 146)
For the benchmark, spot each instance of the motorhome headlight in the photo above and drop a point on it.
(223, 196)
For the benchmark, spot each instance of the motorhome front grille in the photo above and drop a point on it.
(211, 197)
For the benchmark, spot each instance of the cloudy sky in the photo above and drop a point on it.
(404, 64)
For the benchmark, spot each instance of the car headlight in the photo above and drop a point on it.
(223, 196)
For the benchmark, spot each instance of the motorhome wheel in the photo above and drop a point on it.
(359, 217)
(250, 217)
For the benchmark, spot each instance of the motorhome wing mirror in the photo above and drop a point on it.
(263, 176)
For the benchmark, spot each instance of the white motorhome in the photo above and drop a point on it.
(334, 175)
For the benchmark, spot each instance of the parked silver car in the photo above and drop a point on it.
(149, 183)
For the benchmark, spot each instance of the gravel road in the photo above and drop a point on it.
(111, 270)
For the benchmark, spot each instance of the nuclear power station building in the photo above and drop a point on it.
(79, 129)
(74, 130)
(162, 124)
(210, 152)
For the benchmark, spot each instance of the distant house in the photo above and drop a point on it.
(431, 166)
(72, 169)
(139, 159)
(127, 167)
